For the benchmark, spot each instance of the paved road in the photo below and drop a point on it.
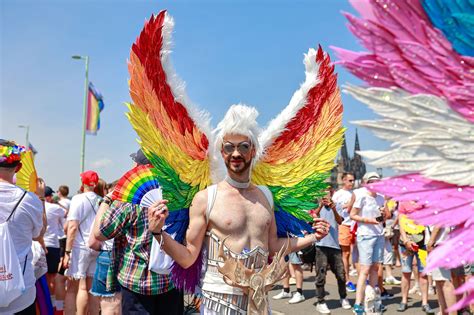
(309, 305)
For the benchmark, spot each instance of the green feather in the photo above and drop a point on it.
(178, 193)
(302, 196)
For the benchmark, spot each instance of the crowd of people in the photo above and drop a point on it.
(365, 243)
(98, 250)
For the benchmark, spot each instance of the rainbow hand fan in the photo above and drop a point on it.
(138, 186)
(27, 177)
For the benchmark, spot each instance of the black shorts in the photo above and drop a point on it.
(62, 251)
(52, 258)
(62, 247)
(169, 303)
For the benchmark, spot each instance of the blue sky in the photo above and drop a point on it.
(226, 51)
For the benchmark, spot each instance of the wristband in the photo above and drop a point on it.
(107, 200)
(157, 233)
(67, 252)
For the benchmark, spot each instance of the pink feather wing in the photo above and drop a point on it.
(405, 50)
(443, 204)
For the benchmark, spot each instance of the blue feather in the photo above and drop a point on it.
(455, 18)
(177, 222)
(287, 223)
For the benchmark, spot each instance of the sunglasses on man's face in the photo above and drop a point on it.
(242, 147)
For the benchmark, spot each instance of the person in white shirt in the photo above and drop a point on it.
(60, 282)
(62, 193)
(369, 211)
(441, 276)
(343, 199)
(27, 222)
(55, 217)
(79, 260)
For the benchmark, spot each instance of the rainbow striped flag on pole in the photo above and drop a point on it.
(95, 105)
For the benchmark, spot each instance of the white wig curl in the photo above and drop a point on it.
(239, 120)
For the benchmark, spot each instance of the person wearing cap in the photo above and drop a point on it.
(79, 260)
(369, 211)
(24, 212)
(109, 299)
(55, 217)
(139, 158)
(143, 291)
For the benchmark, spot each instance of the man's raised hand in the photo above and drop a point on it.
(157, 214)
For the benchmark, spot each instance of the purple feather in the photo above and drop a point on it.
(187, 279)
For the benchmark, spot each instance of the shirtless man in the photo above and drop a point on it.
(241, 211)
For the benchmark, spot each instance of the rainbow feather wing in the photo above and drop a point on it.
(301, 145)
(27, 177)
(172, 132)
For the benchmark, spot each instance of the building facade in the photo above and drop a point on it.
(345, 163)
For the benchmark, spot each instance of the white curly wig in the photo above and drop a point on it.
(239, 120)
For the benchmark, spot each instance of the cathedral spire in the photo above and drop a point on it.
(357, 165)
(344, 154)
(356, 145)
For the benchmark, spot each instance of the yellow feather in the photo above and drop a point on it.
(327, 124)
(318, 160)
(192, 171)
(287, 164)
(145, 98)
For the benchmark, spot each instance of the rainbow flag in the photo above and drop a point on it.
(95, 105)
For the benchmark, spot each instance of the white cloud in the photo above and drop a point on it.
(102, 163)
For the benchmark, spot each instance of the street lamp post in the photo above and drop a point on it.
(27, 127)
(84, 118)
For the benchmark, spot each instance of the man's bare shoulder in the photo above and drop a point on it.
(264, 195)
(199, 203)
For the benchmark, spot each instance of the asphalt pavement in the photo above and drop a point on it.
(332, 299)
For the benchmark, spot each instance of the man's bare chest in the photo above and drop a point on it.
(235, 216)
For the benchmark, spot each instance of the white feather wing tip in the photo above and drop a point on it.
(277, 125)
(201, 118)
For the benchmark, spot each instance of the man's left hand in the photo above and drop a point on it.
(157, 214)
(320, 227)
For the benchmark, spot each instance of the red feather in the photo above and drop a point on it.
(316, 98)
(148, 50)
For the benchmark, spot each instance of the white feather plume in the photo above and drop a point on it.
(178, 87)
(427, 135)
(277, 126)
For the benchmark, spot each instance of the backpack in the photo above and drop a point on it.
(308, 255)
(12, 284)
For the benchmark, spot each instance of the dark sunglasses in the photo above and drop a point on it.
(350, 180)
(243, 147)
